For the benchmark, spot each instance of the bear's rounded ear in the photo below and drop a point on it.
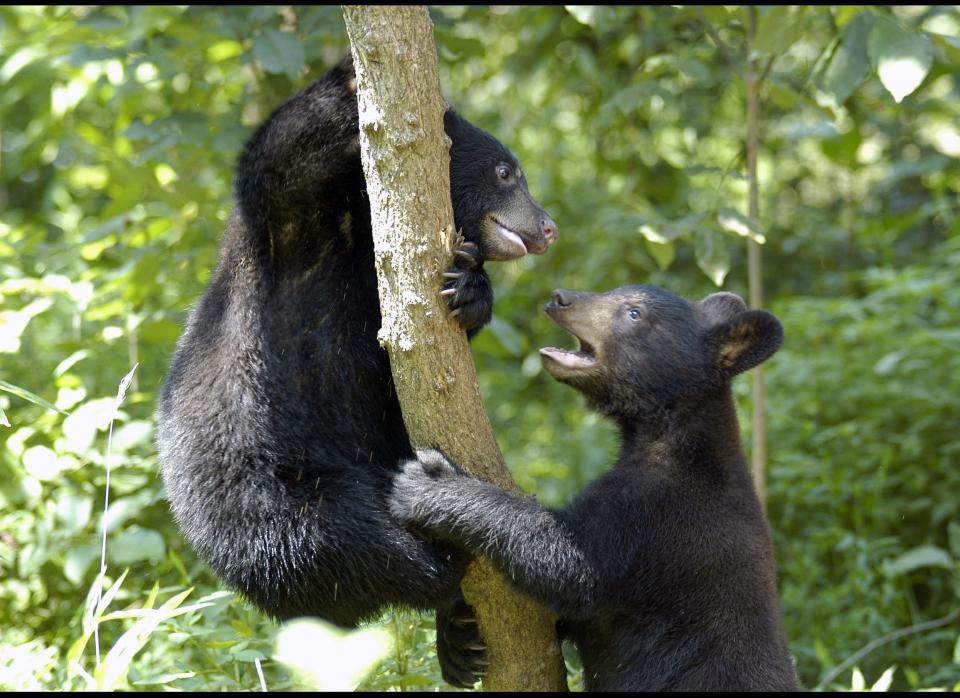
(720, 307)
(746, 340)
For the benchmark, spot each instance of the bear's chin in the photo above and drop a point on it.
(567, 366)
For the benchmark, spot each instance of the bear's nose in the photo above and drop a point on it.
(549, 229)
(562, 297)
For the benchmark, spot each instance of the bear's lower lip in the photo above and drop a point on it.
(569, 359)
(515, 238)
(511, 238)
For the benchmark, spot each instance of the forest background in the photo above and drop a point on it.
(119, 127)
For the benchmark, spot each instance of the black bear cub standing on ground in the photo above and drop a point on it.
(662, 570)
(279, 431)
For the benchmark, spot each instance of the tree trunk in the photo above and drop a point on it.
(406, 162)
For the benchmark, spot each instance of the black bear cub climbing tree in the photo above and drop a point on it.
(279, 429)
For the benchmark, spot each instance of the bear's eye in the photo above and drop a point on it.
(635, 313)
(503, 172)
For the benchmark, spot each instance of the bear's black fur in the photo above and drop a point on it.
(662, 569)
(279, 431)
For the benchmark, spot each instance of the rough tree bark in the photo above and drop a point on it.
(405, 156)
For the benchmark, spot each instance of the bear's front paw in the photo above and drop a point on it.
(436, 463)
(417, 479)
(461, 650)
(467, 288)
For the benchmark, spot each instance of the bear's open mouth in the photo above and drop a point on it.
(516, 240)
(583, 357)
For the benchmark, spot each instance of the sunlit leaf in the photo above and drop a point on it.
(738, 224)
(660, 234)
(224, 49)
(328, 658)
(902, 58)
(585, 14)
(857, 682)
(80, 428)
(42, 462)
(18, 60)
(13, 323)
(113, 671)
(883, 683)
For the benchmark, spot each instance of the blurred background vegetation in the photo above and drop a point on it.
(119, 127)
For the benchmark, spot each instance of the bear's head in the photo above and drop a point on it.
(644, 349)
(491, 204)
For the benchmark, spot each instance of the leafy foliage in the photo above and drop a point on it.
(118, 130)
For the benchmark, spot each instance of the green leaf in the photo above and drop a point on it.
(779, 29)
(782, 96)
(73, 510)
(279, 52)
(663, 253)
(902, 58)
(123, 509)
(78, 560)
(135, 544)
(162, 679)
(842, 148)
(882, 684)
(19, 60)
(922, 556)
(247, 655)
(850, 65)
(223, 50)
(585, 14)
(716, 14)
(658, 233)
(948, 45)
(27, 395)
(888, 363)
(953, 535)
(712, 255)
(738, 224)
(112, 673)
(844, 13)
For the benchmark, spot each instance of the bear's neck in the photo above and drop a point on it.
(698, 435)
